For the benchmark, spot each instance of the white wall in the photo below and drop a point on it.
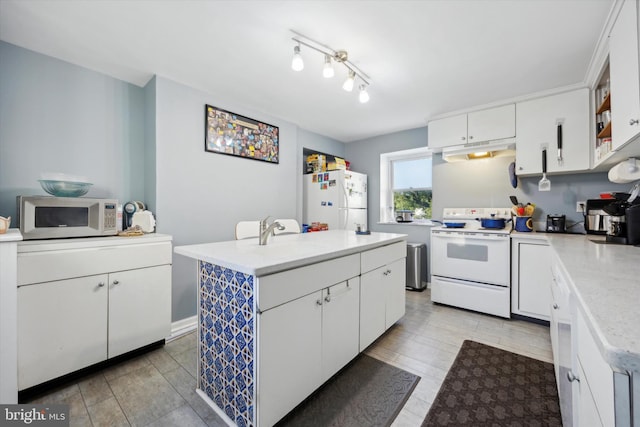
(201, 195)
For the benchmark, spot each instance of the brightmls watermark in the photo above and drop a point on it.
(34, 415)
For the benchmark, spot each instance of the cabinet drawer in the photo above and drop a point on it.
(276, 289)
(597, 373)
(370, 260)
(46, 266)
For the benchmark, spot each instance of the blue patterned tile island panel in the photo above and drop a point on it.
(227, 336)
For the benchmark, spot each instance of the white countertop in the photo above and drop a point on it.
(606, 281)
(285, 252)
(12, 235)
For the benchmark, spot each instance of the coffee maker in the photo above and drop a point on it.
(632, 216)
(596, 220)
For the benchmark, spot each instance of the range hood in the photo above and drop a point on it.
(482, 150)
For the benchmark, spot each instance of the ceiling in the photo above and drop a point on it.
(425, 58)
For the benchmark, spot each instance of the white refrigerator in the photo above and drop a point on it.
(338, 198)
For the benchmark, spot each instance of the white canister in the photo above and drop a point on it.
(145, 220)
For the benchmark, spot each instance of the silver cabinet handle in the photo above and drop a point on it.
(571, 377)
(319, 302)
(633, 122)
(101, 284)
(470, 136)
(115, 282)
(555, 306)
(463, 138)
(327, 298)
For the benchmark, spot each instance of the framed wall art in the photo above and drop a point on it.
(236, 135)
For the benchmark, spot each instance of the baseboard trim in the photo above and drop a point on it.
(183, 326)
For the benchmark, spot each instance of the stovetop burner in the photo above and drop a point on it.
(466, 220)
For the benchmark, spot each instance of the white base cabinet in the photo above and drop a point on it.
(382, 291)
(139, 308)
(290, 341)
(531, 278)
(591, 392)
(313, 320)
(62, 327)
(76, 308)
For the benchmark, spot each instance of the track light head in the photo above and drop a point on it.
(349, 82)
(364, 95)
(297, 64)
(327, 71)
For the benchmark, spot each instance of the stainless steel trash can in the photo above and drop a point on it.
(416, 266)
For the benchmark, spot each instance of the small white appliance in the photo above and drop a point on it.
(337, 198)
(471, 265)
(48, 217)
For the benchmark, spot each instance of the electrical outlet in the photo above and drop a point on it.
(580, 206)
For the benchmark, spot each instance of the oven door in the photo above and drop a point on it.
(478, 257)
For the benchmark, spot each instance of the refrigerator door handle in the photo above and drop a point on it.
(346, 206)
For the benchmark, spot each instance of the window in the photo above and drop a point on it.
(405, 183)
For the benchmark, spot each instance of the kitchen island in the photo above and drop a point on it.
(276, 321)
(596, 337)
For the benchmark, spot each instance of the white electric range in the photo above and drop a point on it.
(471, 265)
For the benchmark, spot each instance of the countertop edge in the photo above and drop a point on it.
(192, 251)
(616, 357)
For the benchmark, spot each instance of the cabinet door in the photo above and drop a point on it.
(625, 75)
(587, 411)
(372, 306)
(62, 327)
(340, 325)
(492, 124)
(534, 280)
(395, 282)
(537, 127)
(447, 132)
(289, 352)
(139, 308)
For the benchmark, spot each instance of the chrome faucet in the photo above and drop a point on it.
(267, 230)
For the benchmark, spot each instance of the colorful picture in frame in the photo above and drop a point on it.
(236, 135)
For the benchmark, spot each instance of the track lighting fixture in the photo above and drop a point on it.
(330, 56)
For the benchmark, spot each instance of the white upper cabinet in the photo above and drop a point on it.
(625, 76)
(491, 124)
(476, 127)
(448, 132)
(537, 128)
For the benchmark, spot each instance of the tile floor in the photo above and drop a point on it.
(158, 388)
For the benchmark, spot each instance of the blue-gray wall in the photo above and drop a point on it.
(57, 117)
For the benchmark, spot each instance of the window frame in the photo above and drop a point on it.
(386, 214)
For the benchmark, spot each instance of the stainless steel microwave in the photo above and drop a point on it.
(48, 217)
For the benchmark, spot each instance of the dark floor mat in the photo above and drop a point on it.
(367, 392)
(487, 386)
